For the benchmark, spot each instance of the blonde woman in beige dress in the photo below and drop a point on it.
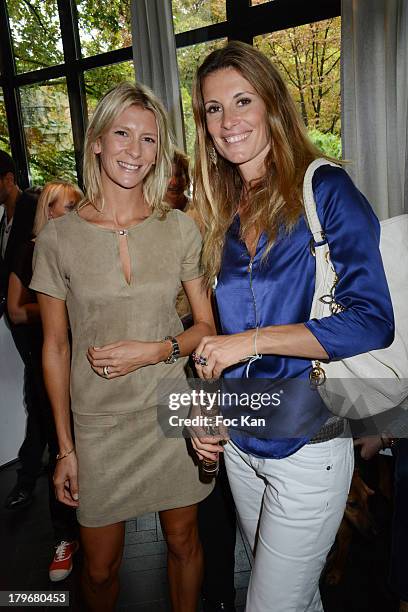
(113, 269)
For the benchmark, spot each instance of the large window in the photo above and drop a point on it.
(192, 14)
(48, 134)
(4, 135)
(104, 25)
(60, 56)
(36, 34)
(188, 59)
(99, 80)
(308, 58)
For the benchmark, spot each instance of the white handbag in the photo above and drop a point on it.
(370, 383)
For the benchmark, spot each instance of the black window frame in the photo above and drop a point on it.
(244, 22)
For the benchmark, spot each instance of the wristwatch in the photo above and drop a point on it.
(175, 350)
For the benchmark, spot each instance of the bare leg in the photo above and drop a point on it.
(185, 557)
(103, 549)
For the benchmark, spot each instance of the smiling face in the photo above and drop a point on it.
(128, 148)
(236, 121)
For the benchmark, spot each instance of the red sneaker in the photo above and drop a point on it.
(61, 565)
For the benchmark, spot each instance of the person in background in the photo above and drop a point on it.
(216, 513)
(15, 229)
(290, 479)
(177, 191)
(370, 446)
(176, 197)
(56, 199)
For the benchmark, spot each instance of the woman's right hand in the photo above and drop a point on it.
(126, 356)
(207, 447)
(66, 480)
(220, 352)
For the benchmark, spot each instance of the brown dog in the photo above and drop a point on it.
(356, 516)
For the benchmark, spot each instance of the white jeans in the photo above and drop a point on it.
(290, 510)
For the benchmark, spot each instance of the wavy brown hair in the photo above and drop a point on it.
(275, 200)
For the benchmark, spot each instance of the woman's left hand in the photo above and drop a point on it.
(220, 352)
(121, 358)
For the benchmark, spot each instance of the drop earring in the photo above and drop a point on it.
(212, 154)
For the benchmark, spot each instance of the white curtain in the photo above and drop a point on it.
(155, 59)
(375, 100)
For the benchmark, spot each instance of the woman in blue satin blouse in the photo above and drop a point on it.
(252, 150)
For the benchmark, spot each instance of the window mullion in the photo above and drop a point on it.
(12, 101)
(75, 78)
(237, 17)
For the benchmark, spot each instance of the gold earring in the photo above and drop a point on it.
(212, 154)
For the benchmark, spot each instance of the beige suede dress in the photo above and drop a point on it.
(127, 466)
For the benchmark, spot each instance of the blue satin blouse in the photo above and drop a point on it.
(279, 290)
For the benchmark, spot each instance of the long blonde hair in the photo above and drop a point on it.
(109, 107)
(276, 199)
(49, 194)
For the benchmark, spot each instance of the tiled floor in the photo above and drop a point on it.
(143, 571)
(26, 548)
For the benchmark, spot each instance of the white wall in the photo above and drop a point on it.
(12, 412)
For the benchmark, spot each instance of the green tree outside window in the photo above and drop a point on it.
(193, 14)
(36, 34)
(4, 135)
(308, 58)
(47, 127)
(104, 25)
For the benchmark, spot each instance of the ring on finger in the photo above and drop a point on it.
(199, 359)
(202, 361)
(106, 371)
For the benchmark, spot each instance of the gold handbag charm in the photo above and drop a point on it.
(317, 375)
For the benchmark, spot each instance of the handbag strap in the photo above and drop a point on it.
(309, 200)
